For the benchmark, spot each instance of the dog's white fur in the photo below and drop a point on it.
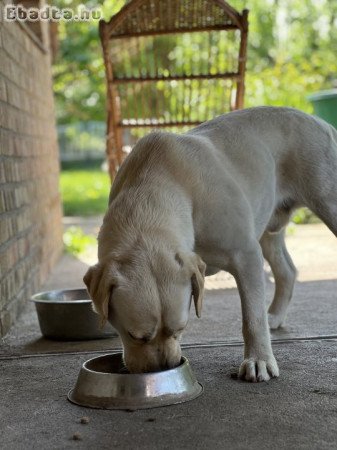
(219, 195)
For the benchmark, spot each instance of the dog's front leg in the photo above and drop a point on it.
(259, 363)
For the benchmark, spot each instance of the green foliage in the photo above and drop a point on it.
(84, 192)
(298, 59)
(82, 140)
(79, 74)
(304, 216)
(291, 53)
(77, 242)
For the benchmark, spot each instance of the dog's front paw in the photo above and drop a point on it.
(275, 321)
(255, 369)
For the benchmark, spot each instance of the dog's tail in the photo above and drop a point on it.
(333, 135)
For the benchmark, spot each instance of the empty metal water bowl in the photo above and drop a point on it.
(68, 315)
(104, 383)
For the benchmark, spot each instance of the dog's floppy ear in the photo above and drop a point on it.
(99, 284)
(196, 268)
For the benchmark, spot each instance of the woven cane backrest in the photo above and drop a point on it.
(172, 65)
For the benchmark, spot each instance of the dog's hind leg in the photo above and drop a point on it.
(321, 186)
(275, 252)
(326, 209)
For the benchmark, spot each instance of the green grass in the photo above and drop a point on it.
(77, 242)
(84, 192)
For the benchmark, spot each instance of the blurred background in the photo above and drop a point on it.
(291, 55)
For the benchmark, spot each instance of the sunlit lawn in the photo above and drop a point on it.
(84, 192)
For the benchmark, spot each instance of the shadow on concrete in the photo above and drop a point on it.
(311, 313)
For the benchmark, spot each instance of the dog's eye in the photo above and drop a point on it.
(177, 334)
(173, 333)
(142, 339)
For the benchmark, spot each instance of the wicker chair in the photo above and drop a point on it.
(170, 64)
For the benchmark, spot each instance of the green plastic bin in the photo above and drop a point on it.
(325, 105)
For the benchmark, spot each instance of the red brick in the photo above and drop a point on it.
(30, 210)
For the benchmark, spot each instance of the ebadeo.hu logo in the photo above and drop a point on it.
(14, 13)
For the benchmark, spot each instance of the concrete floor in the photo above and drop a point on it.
(296, 411)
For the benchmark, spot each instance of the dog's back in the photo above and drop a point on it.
(282, 148)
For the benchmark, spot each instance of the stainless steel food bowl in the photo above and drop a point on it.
(104, 383)
(68, 315)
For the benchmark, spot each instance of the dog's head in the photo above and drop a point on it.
(148, 303)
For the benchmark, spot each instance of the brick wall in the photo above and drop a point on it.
(30, 211)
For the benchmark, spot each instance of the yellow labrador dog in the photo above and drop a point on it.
(217, 197)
